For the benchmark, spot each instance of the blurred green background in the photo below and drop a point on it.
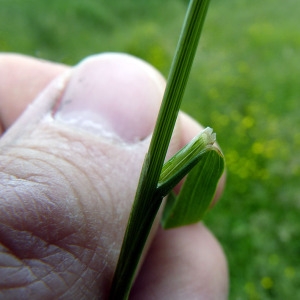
(244, 84)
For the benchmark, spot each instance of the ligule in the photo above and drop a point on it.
(184, 160)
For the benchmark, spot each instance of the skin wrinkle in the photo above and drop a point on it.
(6, 170)
(39, 283)
(33, 162)
(78, 279)
(43, 278)
(23, 224)
(61, 154)
(22, 227)
(57, 273)
(6, 260)
(54, 288)
(69, 270)
(15, 213)
(86, 256)
(28, 177)
(44, 161)
(86, 266)
(82, 275)
(67, 263)
(14, 284)
(90, 258)
(85, 282)
(33, 205)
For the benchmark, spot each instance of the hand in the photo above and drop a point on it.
(69, 168)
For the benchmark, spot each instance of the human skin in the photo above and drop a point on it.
(69, 167)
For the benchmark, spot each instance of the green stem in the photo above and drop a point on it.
(145, 205)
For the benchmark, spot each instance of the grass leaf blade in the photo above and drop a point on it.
(196, 193)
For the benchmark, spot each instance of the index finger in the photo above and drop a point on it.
(22, 78)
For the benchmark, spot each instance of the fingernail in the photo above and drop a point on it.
(115, 96)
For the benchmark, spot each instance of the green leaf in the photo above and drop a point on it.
(197, 191)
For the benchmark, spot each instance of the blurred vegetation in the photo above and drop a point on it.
(244, 84)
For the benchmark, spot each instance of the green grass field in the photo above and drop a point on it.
(244, 84)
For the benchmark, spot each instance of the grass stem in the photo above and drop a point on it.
(146, 205)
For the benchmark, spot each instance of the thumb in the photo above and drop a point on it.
(68, 172)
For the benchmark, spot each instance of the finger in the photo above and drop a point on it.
(67, 151)
(69, 170)
(183, 263)
(24, 77)
(21, 79)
